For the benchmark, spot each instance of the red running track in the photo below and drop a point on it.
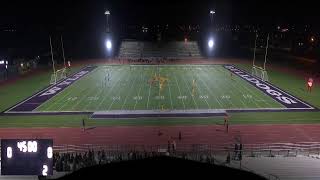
(215, 135)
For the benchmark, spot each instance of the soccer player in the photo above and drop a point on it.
(83, 125)
(226, 123)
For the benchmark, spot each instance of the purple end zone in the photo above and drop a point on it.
(284, 98)
(36, 100)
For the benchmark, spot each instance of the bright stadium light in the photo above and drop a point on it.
(210, 43)
(108, 44)
(107, 12)
(212, 12)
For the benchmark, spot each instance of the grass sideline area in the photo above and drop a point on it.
(11, 94)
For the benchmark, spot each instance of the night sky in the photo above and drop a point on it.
(82, 23)
(86, 14)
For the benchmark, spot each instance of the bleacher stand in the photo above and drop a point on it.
(174, 49)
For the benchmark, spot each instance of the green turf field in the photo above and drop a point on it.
(139, 87)
(23, 88)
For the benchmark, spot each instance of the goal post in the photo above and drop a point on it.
(58, 75)
(260, 71)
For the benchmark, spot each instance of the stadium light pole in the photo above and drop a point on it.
(212, 12)
(107, 13)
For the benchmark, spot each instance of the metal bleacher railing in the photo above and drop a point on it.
(202, 152)
(197, 152)
(301, 148)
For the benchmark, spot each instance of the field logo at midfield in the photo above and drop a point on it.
(36, 100)
(282, 97)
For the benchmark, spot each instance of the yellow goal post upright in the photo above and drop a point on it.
(260, 71)
(58, 75)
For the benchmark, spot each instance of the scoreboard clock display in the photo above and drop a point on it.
(26, 157)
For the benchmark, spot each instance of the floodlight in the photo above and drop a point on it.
(212, 12)
(210, 43)
(107, 13)
(108, 44)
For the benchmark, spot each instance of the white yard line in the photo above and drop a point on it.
(137, 97)
(196, 105)
(222, 85)
(83, 97)
(213, 95)
(97, 94)
(159, 88)
(149, 90)
(254, 94)
(184, 107)
(248, 89)
(170, 95)
(48, 101)
(200, 88)
(125, 100)
(104, 98)
(148, 96)
(57, 102)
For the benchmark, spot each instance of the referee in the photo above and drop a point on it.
(83, 125)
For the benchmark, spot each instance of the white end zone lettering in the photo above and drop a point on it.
(64, 83)
(39, 98)
(274, 92)
(51, 91)
(286, 100)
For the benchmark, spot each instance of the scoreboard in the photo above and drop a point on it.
(26, 157)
